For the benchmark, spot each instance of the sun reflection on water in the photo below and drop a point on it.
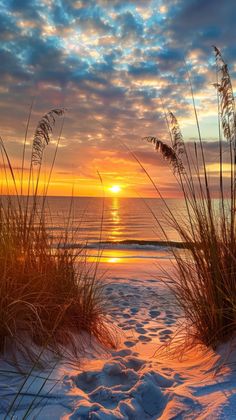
(115, 219)
(114, 260)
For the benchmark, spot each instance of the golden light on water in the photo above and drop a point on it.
(114, 260)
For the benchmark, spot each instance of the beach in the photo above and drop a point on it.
(118, 210)
(145, 377)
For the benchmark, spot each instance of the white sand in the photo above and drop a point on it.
(131, 382)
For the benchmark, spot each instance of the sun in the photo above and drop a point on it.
(115, 189)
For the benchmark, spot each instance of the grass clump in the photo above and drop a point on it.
(48, 295)
(205, 282)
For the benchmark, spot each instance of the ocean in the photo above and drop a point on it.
(120, 231)
(133, 220)
(126, 232)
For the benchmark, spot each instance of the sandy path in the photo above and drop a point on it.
(130, 383)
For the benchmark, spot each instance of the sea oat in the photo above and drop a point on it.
(167, 152)
(42, 134)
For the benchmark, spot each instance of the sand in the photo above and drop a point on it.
(139, 380)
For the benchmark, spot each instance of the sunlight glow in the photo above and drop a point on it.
(115, 189)
(113, 260)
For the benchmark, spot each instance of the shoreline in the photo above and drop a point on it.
(137, 380)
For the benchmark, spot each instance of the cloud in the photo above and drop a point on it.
(113, 65)
(129, 26)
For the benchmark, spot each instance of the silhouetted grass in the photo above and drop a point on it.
(49, 297)
(205, 282)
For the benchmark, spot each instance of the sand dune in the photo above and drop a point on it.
(139, 380)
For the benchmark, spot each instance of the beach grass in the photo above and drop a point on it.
(49, 295)
(204, 281)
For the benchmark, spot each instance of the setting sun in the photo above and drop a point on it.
(115, 189)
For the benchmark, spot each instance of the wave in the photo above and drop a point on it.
(130, 244)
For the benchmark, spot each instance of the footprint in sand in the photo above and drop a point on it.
(139, 324)
(122, 353)
(134, 363)
(170, 321)
(141, 330)
(144, 338)
(129, 343)
(134, 310)
(87, 381)
(154, 313)
(166, 332)
(131, 322)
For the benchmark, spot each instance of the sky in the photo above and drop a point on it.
(114, 66)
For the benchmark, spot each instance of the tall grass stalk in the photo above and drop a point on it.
(204, 283)
(49, 296)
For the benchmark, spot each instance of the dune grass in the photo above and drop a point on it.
(205, 279)
(49, 296)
